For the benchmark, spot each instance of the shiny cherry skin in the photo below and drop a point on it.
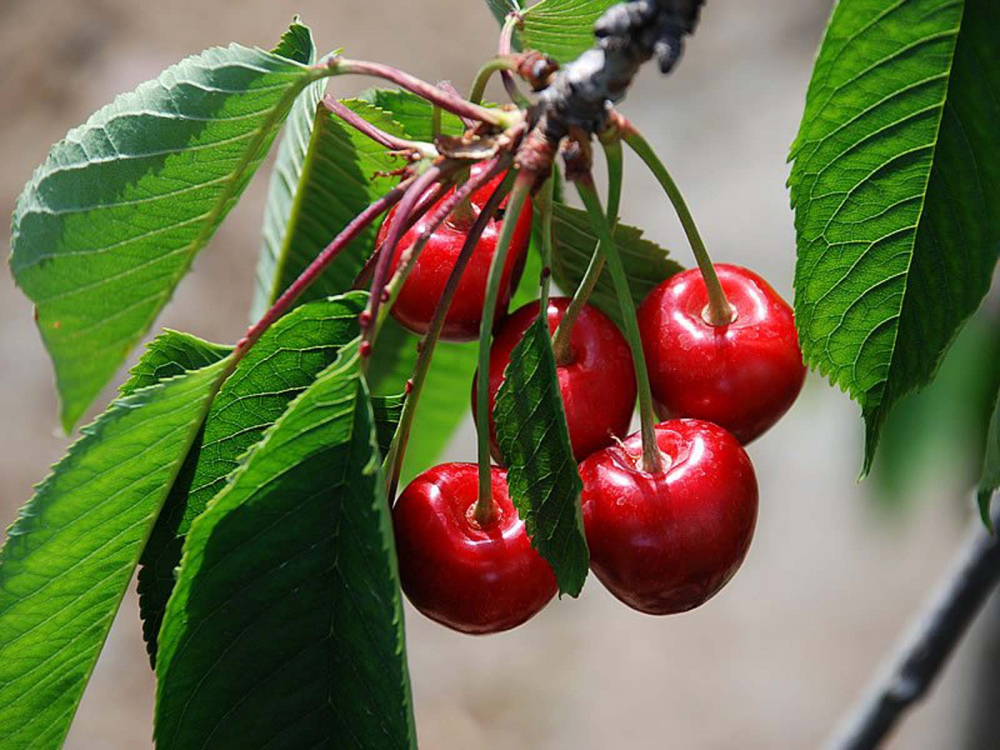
(666, 543)
(423, 288)
(743, 376)
(473, 579)
(597, 385)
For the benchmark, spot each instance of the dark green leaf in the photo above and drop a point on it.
(896, 189)
(646, 263)
(285, 629)
(542, 476)
(444, 401)
(413, 113)
(72, 551)
(324, 177)
(112, 220)
(278, 368)
(387, 411)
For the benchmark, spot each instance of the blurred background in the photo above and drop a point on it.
(836, 569)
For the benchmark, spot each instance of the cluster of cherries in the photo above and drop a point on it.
(662, 542)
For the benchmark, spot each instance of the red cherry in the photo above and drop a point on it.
(666, 543)
(597, 385)
(744, 375)
(423, 288)
(473, 579)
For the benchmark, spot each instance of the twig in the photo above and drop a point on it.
(932, 638)
(580, 94)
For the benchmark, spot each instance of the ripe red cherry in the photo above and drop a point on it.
(597, 385)
(473, 579)
(423, 288)
(743, 376)
(666, 543)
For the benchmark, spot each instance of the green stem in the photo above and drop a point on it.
(651, 461)
(397, 449)
(435, 121)
(512, 21)
(504, 62)
(719, 312)
(484, 511)
(561, 338)
(544, 203)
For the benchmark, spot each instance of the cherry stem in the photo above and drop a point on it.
(485, 510)
(561, 338)
(651, 460)
(397, 449)
(397, 228)
(364, 277)
(423, 89)
(448, 88)
(378, 135)
(503, 62)
(544, 203)
(719, 311)
(347, 235)
(408, 259)
(511, 22)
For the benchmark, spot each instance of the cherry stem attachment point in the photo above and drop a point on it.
(378, 135)
(719, 312)
(347, 235)
(652, 461)
(485, 509)
(397, 449)
(561, 338)
(423, 89)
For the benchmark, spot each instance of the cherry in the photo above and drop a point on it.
(471, 578)
(597, 385)
(744, 375)
(415, 304)
(666, 543)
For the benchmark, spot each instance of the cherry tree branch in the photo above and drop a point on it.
(579, 96)
(928, 644)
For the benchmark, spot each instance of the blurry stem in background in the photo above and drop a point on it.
(652, 461)
(561, 338)
(925, 648)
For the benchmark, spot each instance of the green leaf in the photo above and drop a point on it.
(285, 628)
(646, 263)
(412, 113)
(387, 410)
(990, 480)
(278, 368)
(896, 190)
(542, 476)
(71, 552)
(444, 401)
(324, 177)
(563, 29)
(112, 220)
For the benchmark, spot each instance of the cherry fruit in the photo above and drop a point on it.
(414, 307)
(667, 542)
(597, 384)
(743, 376)
(471, 578)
